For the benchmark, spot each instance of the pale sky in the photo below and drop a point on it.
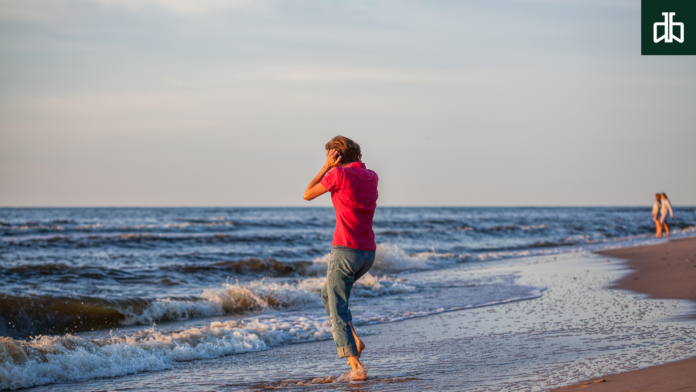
(229, 103)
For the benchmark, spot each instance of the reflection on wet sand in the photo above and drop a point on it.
(348, 378)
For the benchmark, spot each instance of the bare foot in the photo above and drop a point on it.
(357, 373)
(357, 369)
(361, 345)
(358, 342)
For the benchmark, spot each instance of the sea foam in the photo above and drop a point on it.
(256, 296)
(50, 359)
(392, 258)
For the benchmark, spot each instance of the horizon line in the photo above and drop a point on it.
(388, 206)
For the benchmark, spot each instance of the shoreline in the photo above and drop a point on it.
(662, 271)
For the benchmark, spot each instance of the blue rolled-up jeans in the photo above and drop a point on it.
(346, 265)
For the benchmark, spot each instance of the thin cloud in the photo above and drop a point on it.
(45, 10)
(185, 7)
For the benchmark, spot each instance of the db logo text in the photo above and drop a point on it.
(662, 27)
(669, 25)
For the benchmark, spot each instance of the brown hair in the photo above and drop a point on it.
(349, 150)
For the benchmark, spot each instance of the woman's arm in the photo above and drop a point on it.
(315, 189)
(670, 209)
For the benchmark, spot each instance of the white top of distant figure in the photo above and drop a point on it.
(665, 206)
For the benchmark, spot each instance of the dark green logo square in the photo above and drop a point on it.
(668, 27)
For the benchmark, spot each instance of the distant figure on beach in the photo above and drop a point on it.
(665, 207)
(656, 215)
(354, 195)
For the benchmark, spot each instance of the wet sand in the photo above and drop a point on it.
(665, 271)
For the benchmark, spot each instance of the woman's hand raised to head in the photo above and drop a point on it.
(315, 189)
(333, 159)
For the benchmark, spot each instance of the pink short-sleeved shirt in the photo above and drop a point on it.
(354, 195)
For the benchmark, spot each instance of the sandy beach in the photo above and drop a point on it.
(665, 271)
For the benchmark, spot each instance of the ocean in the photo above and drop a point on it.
(104, 292)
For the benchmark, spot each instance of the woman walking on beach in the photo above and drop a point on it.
(656, 215)
(665, 207)
(354, 195)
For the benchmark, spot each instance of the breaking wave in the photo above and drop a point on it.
(69, 358)
(391, 258)
(50, 359)
(24, 316)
